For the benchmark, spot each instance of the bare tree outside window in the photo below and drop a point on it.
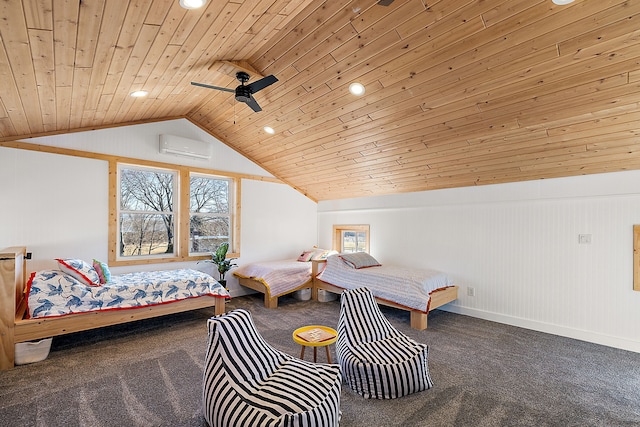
(146, 222)
(169, 213)
(210, 213)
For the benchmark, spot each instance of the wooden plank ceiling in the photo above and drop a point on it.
(458, 92)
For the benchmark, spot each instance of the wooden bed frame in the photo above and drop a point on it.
(269, 301)
(418, 318)
(14, 328)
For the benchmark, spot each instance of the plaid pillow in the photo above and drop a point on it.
(359, 260)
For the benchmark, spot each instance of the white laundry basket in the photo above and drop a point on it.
(302, 294)
(32, 351)
(326, 296)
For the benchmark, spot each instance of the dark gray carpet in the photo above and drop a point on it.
(149, 373)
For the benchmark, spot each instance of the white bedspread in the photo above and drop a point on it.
(278, 276)
(53, 293)
(406, 286)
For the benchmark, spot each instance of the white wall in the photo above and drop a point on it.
(517, 246)
(57, 205)
(277, 222)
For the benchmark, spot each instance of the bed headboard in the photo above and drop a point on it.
(13, 275)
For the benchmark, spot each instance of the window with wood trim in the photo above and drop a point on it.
(163, 214)
(211, 222)
(146, 217)
(351, 238)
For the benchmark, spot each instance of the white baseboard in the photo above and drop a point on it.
(592, 337)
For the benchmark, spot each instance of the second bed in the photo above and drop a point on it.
(417, 290)
(277, 278)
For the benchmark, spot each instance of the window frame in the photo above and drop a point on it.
(182, 212)
(174, 202)
(338, 231)
(230, 214)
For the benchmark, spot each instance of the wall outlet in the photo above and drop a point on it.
(471, 291)
(584, 239)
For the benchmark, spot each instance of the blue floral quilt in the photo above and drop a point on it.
(53, 293)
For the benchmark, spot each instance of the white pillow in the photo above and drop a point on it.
(82, 271)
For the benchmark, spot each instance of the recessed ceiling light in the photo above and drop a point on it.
(269, 129)
(356, 89)
(192, 4)
(562, 2)
(139, 93)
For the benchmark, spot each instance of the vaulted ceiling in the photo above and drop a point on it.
(458, 92)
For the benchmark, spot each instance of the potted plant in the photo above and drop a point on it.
(219, 258)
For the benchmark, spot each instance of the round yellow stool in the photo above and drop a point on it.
(315, 336)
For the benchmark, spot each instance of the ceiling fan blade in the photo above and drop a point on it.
(212, 87)
(262, 83)
(253, 104)
(385, 2)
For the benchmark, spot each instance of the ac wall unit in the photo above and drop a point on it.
(171, 144)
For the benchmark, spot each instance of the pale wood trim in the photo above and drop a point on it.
(12, 286)
(21, 145)
(183, 215)
(636, 257)
(235, 253)
(112, 237)
(337, 234)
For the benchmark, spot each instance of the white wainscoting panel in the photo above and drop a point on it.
(519, 251)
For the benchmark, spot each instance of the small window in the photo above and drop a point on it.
(351, 238)
(146, 219)
(210, 213)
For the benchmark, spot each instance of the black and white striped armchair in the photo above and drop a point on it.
(247, 382)
(377, 360)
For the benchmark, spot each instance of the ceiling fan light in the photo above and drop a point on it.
(269, 130)
(562, 2)
(356, 88)
(139, 93)
(192, 4)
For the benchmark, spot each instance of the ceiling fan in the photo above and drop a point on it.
(244, 93)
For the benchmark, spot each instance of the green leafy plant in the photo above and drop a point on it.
(219, 258)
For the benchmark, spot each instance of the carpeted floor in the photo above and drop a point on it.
(485, 374)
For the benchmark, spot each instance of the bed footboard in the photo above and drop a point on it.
(256, 285)
(269, 301)
(12, 285)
